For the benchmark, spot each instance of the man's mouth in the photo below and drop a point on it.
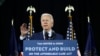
(45, 25)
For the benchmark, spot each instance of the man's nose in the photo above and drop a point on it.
(45, 22)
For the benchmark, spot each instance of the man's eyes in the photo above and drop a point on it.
(45, 20)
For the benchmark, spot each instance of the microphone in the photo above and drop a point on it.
(46, 35)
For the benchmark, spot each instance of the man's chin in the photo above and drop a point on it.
(46, 29)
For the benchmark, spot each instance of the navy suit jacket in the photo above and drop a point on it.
(39, 36)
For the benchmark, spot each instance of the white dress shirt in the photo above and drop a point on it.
(49, 33)
(22, 37)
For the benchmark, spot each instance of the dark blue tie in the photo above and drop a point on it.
(46, 36)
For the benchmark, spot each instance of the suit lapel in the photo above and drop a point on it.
(41, 36)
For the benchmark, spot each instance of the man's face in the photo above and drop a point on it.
(46, 22)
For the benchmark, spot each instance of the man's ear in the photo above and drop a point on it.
(52, 24)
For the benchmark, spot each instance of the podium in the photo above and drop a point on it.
(50, 48)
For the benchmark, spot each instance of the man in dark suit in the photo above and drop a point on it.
(47, 23)
(48, 33)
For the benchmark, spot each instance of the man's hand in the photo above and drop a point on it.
(21, 54)
(23, 29)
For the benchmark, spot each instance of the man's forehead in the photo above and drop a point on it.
(46, 17)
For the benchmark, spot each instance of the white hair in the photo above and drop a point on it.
(48, 14)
